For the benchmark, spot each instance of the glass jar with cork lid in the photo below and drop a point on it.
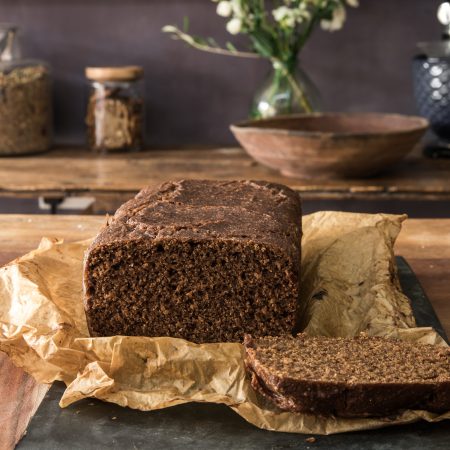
(115, 108)
(26, 113)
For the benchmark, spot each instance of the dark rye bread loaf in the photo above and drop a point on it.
(363, 376)
(200, 260)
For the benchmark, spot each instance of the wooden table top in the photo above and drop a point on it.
(112, 179)
(424, 243)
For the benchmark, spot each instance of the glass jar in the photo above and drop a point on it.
(115, 109)
(26, 118)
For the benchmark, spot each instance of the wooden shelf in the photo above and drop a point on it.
(112, 179)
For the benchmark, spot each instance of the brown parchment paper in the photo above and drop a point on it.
(349, 283)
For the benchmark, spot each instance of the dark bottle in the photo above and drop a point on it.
(431, 78)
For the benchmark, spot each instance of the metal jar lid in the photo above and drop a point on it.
(122, 73)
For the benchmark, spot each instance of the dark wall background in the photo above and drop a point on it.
(192, 97)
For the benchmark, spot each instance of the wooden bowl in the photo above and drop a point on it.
(330, 144)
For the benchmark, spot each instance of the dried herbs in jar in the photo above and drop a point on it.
(115, 109)
(25, 101)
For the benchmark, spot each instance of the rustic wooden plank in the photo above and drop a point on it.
(20, 395)
(434, 276)
(22, 233)
(78, 172)
(425, 239)
(424, 243)
(20, 398)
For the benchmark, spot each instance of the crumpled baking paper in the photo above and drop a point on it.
(349, 285)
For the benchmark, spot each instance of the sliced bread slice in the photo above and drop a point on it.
(349, 377)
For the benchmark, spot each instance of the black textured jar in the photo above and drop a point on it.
(431, 76)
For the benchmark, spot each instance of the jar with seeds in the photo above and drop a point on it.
(115, 109)
(26, 119)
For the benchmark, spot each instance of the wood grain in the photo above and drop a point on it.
(424, 243)
(22, 233)
(20, 398)
(425, 239)
(20, 395)
(111, 179)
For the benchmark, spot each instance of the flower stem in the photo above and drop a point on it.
(304, 102)
(199, 44)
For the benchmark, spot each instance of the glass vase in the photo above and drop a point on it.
(286, 92)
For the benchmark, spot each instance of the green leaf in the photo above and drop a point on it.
(231, 47)
(212, 41)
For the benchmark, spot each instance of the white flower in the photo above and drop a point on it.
(289, 17)
(224, 9)
(236, 6)
(444, 13)
(284, 16)
(234, 26)
(337, 20)
(353, 3)
(280, 13)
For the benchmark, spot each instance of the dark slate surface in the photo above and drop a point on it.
(92, 424)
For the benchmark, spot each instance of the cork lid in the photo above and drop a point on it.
(121, 73)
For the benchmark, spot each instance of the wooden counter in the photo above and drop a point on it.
(424, 243)
(112, 179)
